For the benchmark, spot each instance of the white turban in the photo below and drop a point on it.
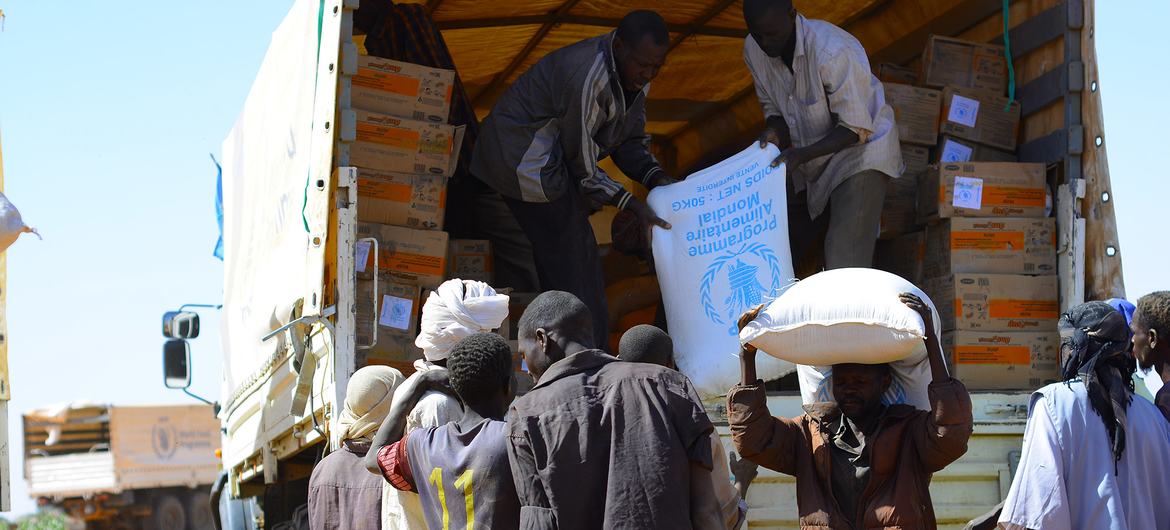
(367, 401)
(458, 309)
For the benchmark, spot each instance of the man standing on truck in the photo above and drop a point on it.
(460, 470)
(875, 471)
(540, 146)
(1151, 342)
(1094, 457)
(827, 113)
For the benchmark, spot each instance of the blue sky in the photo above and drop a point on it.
(108, 113)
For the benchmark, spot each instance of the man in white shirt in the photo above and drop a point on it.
(827, 113)
(1094, 457)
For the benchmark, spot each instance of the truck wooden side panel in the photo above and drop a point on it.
(71, 475)
(164, 446)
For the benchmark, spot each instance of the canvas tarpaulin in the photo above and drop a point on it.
(266, 161)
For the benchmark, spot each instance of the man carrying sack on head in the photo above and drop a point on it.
(858, 463)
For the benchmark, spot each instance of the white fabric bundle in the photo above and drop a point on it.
(11, 225)
(458, 309)
(367, 401)
(848, 316)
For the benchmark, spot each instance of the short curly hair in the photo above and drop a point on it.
(480, 366)
(1154, 310)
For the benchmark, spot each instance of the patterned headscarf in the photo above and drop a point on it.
(1095, 338)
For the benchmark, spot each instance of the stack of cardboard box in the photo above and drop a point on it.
(981, 243)
(405, 151)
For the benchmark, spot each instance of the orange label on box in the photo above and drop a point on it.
(1045, 309)
(1009, 196)
(406, 262)
(392, 136)
(369, 78)
(985, 240)
(992, 355)
(389, 191)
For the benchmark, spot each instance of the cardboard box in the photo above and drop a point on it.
(415, 201)
(956, 150)
(399, 145)
(417, 255)
(402, 89)
(395, 312)
(916, 111)
(899, 209)
(981, 117)
(995, 302)
(892, 73)
(965, 64)
(916, 158)
(903, 256)
(991, 245)
(982, 189)
(470, 259)
(1004, 361)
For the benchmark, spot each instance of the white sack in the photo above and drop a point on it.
(848, 316)
(727, 252)
(11, 225)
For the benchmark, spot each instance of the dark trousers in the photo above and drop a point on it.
(476, 211)
(565, 253)
(844, 235)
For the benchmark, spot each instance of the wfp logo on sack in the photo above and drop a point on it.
(738, 280)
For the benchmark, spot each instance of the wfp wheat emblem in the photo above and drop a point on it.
(165, 440)
(737, 281)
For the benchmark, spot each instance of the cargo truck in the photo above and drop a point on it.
(124, 467)
(291, 199)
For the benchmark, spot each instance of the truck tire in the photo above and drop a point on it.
(199, 516)
(168, 514)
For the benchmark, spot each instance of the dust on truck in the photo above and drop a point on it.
(124, 467)
(293, 310)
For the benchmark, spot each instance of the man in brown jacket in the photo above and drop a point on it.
(858, 463)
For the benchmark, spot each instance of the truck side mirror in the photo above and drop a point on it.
(180, 325)
(176, 364)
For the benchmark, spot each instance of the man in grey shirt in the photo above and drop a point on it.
(602, 443)
(827, 113)
(540, 147)
(460, 470)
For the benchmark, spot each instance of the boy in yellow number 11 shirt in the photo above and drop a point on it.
(459, 470)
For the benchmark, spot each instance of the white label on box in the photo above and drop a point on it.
(361, 252)
(955, 152)
(395, 312)
(968, 193)
(964, 111)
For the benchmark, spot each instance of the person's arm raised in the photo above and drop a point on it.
(394, 426)
(938, 367)
(747, 352)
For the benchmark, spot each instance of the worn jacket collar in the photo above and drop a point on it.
(574, 364)
(826, 412)
(800, 31)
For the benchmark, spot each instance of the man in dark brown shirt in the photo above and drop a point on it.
(601, 443)
(858, 463)
(1151, 341)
